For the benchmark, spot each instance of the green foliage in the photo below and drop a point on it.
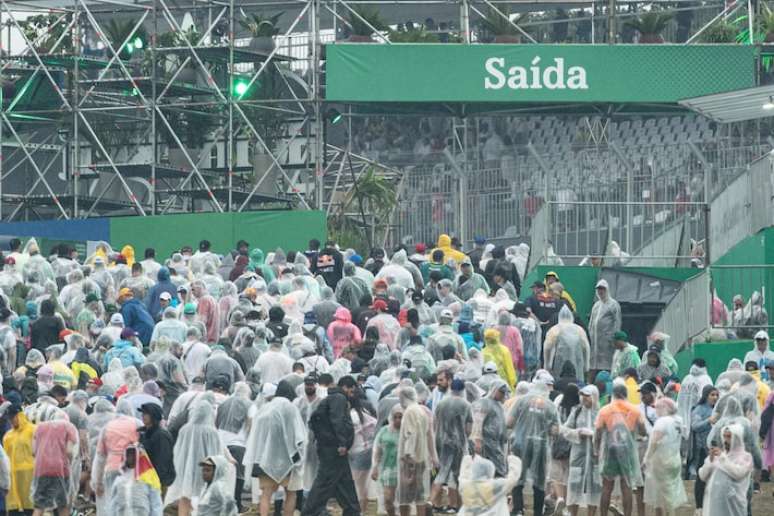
(498, 25)
(650, 25)
(721, 32)
(413, 36)
(368, 14)
(45, 27)
(261, 26)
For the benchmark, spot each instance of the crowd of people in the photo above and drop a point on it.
(222, 384)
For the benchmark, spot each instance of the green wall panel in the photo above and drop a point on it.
(266, 229)
(716, 354)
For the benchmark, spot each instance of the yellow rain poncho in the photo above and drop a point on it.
(18, 445)
(128, 252)
(495, 351)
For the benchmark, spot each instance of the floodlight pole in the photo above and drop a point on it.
(465, 21)
(611, 22)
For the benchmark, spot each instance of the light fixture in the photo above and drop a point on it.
(334, 116)
(769, 104)
(240, 87)
(138, 44)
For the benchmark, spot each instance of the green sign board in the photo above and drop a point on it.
(534, 73)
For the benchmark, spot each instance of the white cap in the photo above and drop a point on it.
(490, 367)
(117, 320)
(268, 389)
(602, 284)
(589, 390)
(761, 335)
(165, 295)
(543, 377)
(447, 314)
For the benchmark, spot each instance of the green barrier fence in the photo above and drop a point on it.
(267, 230)
(716, 354)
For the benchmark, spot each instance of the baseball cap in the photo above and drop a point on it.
(128, 333)
(538, 284)
(125, 292)
(268, 389)
(479, 240)
(380, 305)
(447, 314)
(91, 298)
(552, 273)
(189, 308)
(589, 390)
(602, 284)
(543, 377)
(761, 335)
(420, 247)
(466, 261)
(310, 379)
(117, 319)
(457, 385)
(166, 296)
(490, 367)
(621, 335)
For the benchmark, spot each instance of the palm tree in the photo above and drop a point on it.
(650, 25)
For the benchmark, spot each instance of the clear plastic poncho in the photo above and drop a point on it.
(396, 271)
(732, 414)
(533, 417)
(690, 393)
(584, 483)
(604, 322)
(733, 372)
(481, 305)
(450, 421)
(482, 494)
(277, 440)
(102, 413)
(415, 450)
(566, 341)
(619, 452)
(60, 467)
(218, 497)
(37, 266)
(728, 478)
(388, 327)
(197, 440)
(663, 464)
(131, 496)
(231, 418)
(489, 427)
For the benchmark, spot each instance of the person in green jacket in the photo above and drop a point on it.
(256, 262)
(436, 264)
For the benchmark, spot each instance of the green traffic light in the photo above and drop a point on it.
(138, 44)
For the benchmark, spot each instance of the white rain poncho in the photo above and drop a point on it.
(451, 419)
(501, 303)
(218, 497)
(604, 322)
(728, 478)
(421, 360)
(103, 412)
(534, 419)
(296, 341)
(445, 336)
(465, 288)
(340, 368)
(231, 419)
(518, 256)
(566, 341)
(103, 279)
(663, 463)
(584, 483)
(486, 256)
(350, 289)
(388, 327)
(197, 440)
(481, 493)
(489, 427)
(36, 267)
(481, 305)
(690, 394)
(397, 271)
(381, 360)
(732, 414)
(277, 440)
(416, 451)
(9, 278)
(755, 316)
(130, 496)
(733, 372)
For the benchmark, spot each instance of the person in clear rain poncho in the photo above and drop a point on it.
(37, 265)
(566, 341)
(469, 282)
(397, 270)
(481, 493)
(604, 322)
(731, 413)
(197, 439)
(232, 424)
(614, 442)
(135, 491)
(416, 454)
(733, 372)
(384, 463)
(488, 433)
(216, 499)
(531, 335)
(276, 448)
(664, 488)
(584, 485)
(452, 422)
(534, 419)
(446, 336)
(119, 433)
(727, 471)
(350, 289)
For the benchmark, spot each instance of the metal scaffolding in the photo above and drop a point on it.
(118, 107)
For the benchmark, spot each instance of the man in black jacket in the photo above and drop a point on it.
(334, 433)
(158, 443)
(499, 261)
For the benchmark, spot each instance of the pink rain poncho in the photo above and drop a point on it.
(510, 337)
(341, 332)
(207, 310)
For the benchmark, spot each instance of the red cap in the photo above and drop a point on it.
(421, 247)
(64, 333)
(379, 305)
